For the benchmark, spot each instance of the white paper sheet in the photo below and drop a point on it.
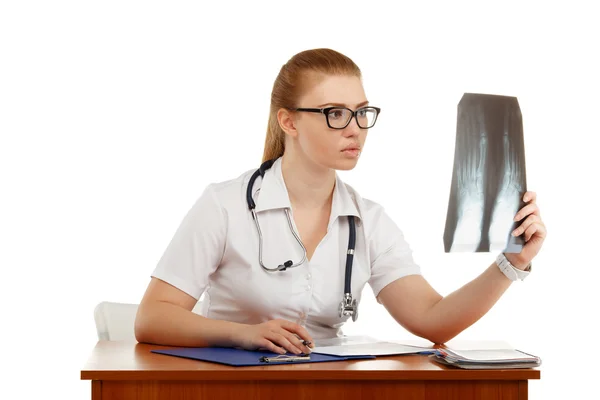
(363, 345)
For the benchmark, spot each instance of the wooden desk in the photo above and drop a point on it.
(126, 370)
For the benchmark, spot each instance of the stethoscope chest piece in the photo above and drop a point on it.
(349, 307)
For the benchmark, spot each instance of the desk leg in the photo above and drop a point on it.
(523, 390)
(96, 390)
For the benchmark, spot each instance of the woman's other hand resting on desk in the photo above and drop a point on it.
(278, 336)
(165, 317)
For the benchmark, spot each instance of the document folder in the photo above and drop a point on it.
(242, 358)
(486, 359)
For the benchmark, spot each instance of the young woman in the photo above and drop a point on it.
(283, 253)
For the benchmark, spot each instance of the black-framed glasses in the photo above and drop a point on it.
(340, 117)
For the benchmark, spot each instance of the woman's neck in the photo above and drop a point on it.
(309, 187)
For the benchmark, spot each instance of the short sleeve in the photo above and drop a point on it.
(390, 253)
(196, 249)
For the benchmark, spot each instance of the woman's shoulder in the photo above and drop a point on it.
(231, 185)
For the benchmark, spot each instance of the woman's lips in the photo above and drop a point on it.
(353, 152)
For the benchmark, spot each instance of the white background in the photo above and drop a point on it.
(115, 115)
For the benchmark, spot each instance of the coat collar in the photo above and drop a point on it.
(272, 194)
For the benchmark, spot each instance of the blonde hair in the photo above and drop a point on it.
(293, 81)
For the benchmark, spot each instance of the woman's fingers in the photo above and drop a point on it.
(536, 228)
(297, 329)
(530, 231)
(529, 227)
(284, 335)
(296, 341)
(269, 345)
(280, 339)
(530, 197)
(525, 225)
(530, 209)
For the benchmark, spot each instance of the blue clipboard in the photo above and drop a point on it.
(243, 358)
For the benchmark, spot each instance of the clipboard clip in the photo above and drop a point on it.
(284, 358)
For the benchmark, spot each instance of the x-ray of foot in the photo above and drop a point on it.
(488, 177)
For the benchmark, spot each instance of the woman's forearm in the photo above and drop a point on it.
(168, 324)
(463, 307)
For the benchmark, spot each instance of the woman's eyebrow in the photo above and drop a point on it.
(364, 103)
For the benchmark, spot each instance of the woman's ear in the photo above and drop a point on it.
(287, 122)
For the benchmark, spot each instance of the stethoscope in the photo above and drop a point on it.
(347, 305)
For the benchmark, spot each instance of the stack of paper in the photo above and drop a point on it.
(486, 359)
(365, 345)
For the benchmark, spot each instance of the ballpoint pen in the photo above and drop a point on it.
(284, 358)
(306, 343)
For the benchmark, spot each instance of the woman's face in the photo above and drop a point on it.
(320, 143)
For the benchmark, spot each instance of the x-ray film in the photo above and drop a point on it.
(488, 178)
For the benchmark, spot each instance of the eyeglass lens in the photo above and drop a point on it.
(340, 117)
